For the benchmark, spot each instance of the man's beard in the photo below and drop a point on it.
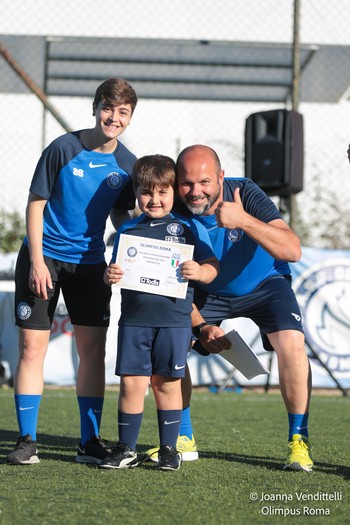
(200, 210)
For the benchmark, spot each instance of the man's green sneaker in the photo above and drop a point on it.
(299, 455)
(186, 446)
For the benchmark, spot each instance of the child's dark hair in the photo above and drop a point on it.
(116, 91)
(154, 170)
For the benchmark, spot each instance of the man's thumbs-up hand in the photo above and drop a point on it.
(230, 214)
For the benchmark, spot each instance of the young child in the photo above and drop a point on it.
(155, 331)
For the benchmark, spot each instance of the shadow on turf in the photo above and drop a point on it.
(330, 468)
(63, 448)
(50, 446)
(272, 464)
(57, 448)
(257, 461)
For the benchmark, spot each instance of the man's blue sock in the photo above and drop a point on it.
(186, 424)
(169, 426)
(90, 417)
(129, 427)
(27, 410)
(298, 424)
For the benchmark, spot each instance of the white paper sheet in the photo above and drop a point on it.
(242, 357)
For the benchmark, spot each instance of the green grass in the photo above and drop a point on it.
(242, 444)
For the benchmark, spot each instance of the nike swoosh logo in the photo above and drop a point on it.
(106, 317)
(25, 408)
(171, 422)
(123, 424)
(177, 367)
(156, 223)
(92, 165)
(97, 411)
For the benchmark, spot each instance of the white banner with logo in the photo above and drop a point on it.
(321, 281)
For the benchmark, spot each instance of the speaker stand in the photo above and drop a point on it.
(318, 359)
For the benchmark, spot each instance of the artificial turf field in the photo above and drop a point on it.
(238, 479)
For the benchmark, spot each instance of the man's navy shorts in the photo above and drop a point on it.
(272, 306)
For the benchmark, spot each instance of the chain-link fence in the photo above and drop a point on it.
(200, 69)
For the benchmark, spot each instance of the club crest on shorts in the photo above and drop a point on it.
(174, 228)
(235, 235)
(24, 311)
(114, 180)
(323, 294)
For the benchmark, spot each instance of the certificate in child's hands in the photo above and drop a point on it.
(153, 266)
